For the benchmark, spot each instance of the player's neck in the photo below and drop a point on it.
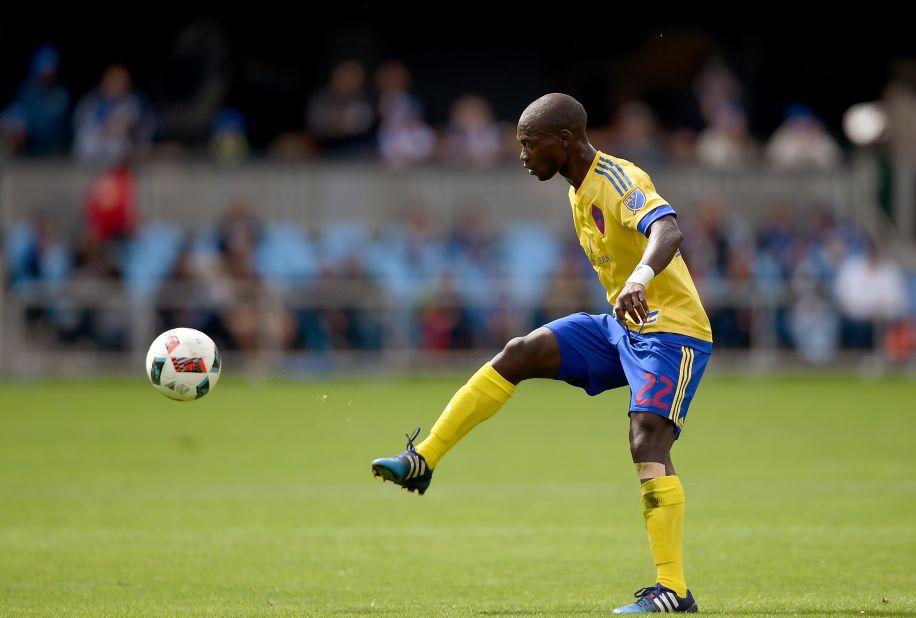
(580, 161)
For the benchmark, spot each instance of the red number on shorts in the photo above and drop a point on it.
(642, 397)
(657, 400)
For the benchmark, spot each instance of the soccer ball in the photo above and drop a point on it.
(183, 364)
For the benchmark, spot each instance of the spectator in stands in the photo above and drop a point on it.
(813, 321)
(111, 212)
(36, 253)
(802, 143)
(112, 123)
(43, 105)
(682, 143)
(339, 116)
(444, 323)
(726, 142)
(569, 290)
(349, 310)
(93, 320)
(403, 138)
(714, 88)
(871, 293)
(473, 135)
(14, 131)
(244, 299)
(239, 230)
(229, 137)
(187, 300)
(635, 134)
(422, 244)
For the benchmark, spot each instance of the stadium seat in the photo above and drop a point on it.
(529, 251)
(340, 239)
(150, 257)
(284, 255)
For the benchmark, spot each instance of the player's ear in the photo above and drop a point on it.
(566, 137)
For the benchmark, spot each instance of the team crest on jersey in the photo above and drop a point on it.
(598, 216)
(635, 199)
(651, 318)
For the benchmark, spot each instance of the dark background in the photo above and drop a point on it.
(603, 54)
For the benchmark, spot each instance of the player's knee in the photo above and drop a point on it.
(640, 446)
(515, 349)
(515, 355)
(521, 358)
(537, 355)
(651, 437)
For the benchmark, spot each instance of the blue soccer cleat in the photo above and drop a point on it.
(409, 469)
(658, 599)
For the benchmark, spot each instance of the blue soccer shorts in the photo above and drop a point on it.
(663, 370)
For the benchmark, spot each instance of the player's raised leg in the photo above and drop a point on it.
(537, 355)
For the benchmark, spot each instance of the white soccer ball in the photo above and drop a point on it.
(183, 364)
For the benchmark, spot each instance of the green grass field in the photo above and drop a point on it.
(258, 500)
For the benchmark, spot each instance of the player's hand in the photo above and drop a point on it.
(632, 302)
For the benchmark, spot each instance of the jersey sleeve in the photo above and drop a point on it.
(640, 206)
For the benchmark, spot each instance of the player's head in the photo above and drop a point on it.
(546, 130)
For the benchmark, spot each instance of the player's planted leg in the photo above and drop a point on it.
(651, 438)
(536, 355)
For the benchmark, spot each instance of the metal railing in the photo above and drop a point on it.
(311, 196)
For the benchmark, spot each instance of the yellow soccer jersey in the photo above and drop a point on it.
(613, 210)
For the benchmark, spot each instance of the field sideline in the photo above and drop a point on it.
(258, 500)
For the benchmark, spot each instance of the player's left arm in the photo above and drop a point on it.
(664, 240)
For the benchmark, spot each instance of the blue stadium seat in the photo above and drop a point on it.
(529, 252)
(284, 255)
(340, 239)
(19, 241)
(150, 257)
(388, 263)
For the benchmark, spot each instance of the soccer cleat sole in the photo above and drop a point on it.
(381, 472)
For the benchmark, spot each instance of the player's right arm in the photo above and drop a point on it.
(664, 241)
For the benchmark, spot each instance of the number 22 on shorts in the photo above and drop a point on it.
(652, 381)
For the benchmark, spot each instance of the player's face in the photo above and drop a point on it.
(542, 153)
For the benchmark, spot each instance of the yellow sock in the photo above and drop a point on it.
(475, 402)
(663, 507)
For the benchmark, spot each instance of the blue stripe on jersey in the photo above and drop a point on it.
(611, 178)
(626, 182)
(616, 175)
(629, 182)
(654, 216)
(626, 179)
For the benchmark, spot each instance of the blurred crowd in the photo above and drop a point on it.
(812, 282)
(359, 114)
(801, 279)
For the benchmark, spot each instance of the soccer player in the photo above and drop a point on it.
(657, 339)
